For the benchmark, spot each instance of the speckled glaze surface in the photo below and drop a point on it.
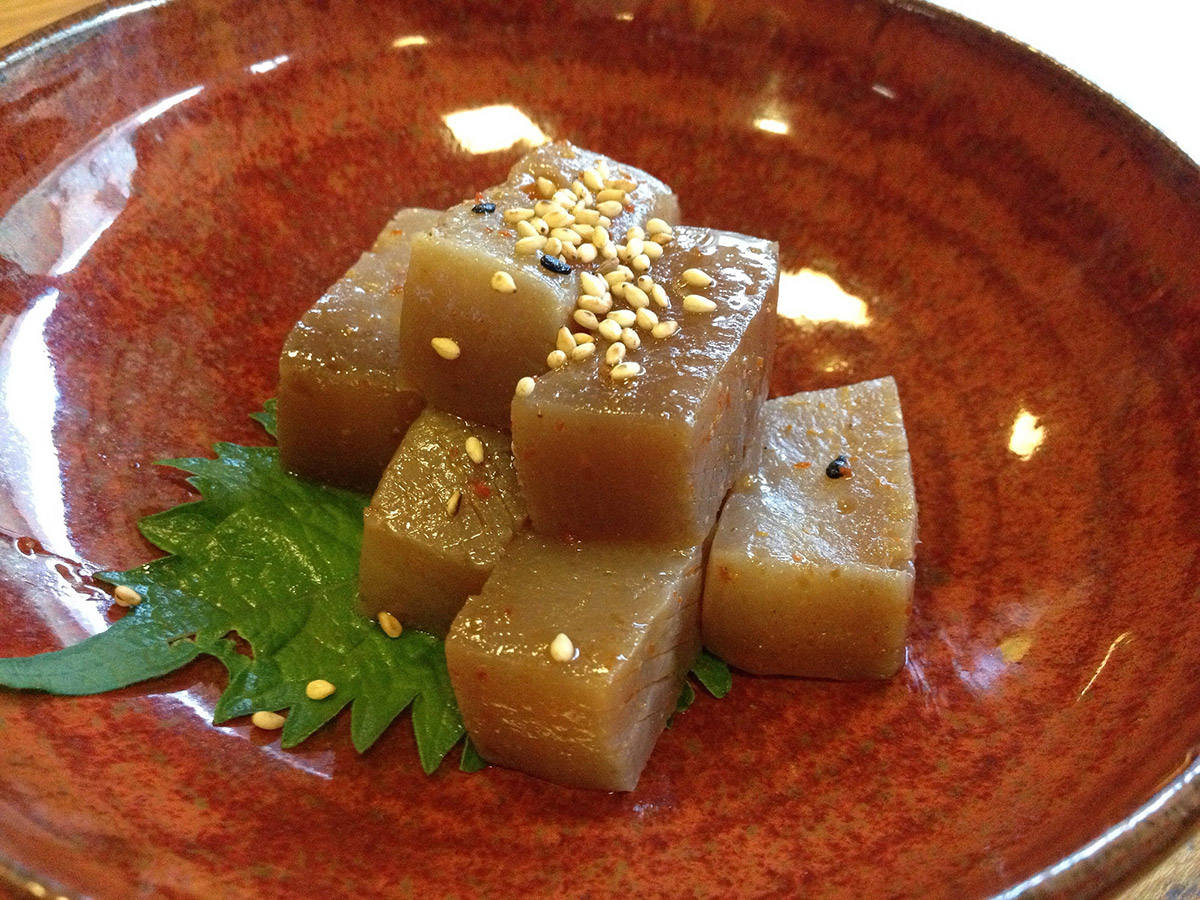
(180, 180)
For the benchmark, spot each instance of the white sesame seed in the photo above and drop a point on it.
(390, 624)
(645, 282)
(618, 289)
(567, 236)
(474, 449)
(586, 318)
(566, 198)
(597, 305)
(583, 351)
(553, 247)
(624, 371)
(557, 358)
(586, 216)
(583, 337)
(617, 275)
(569, 253)
(615, 353)
(545, 187)
(658, 226)
(563, 340)
(694, 303)
(622, 253)
(452, 502)
(631, 338)
(518, 214)
(592, 284)
(635, 296)
(525, 386)
(662, 238)
(610, 208)
(633, 247)
(610, 330)
(123, 595)
(600, 236)
(623, 183)
(561, 649)
(503, 282)
(641, 262)
(607, 195)
(609, 251)
(267, 721)
(652, 250)
(558, 218)
(592, 179)
(445, 347)
(664, 329)
(584, 230)
(579, 188)
(544, 207)
(539, 225)
(527, 246)
(646, 319)
(697, 277)
(623, 317)
(658, 294)
(587, 253)
(318, 689)
(602, 169)
(605, 221)
(524, 229)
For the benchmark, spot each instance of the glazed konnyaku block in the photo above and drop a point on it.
(342, 405)
(652, 457)
(491, 337)
(810, 574)
(588, 718)
(438, 521)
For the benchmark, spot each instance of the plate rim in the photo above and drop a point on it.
(1123, 851)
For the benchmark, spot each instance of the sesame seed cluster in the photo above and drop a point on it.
(621, 302)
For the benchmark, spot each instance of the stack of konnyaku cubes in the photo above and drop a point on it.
(596, 375)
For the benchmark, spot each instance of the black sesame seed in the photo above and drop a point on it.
(834, 469)
(486, 207)
(555, 265)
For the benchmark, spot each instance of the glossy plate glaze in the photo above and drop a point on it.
(180, 180)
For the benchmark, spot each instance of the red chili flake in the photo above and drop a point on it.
(504, 232)
(801, 465)
(478, 196)
(482, 491)
(397, 231)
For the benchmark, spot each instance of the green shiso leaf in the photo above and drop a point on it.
(713, 673)
(273, 559)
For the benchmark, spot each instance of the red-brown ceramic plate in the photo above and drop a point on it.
(180, 180)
